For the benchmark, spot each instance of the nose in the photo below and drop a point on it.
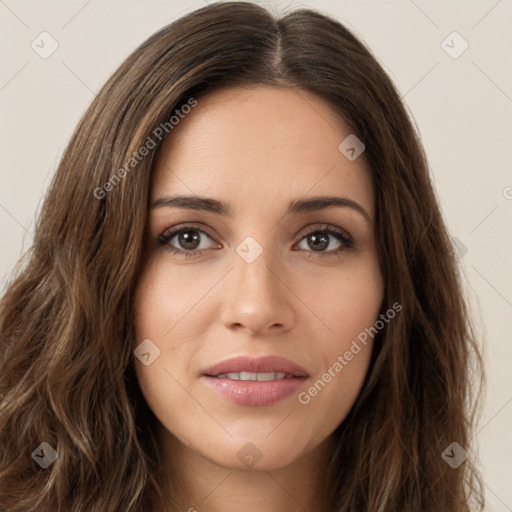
(256, 297)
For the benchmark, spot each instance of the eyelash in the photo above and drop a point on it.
(337, 233)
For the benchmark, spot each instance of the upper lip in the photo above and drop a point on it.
(264, 364)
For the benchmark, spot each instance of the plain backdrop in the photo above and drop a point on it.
(457, 87)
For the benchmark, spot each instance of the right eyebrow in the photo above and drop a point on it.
(194, 203)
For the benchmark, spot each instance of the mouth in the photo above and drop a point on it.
(255, 381)
(259, 377)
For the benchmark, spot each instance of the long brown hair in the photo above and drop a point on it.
(67, 372)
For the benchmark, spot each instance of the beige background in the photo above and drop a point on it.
(462, 107)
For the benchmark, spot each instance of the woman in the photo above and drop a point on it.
(241, 292)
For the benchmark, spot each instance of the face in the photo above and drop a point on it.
(254, 281)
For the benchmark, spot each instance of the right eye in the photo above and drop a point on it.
(188, 237)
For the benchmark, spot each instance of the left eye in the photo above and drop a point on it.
(320, 239)
(188, 239)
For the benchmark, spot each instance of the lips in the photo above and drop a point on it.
(268, 364)
(255, 381)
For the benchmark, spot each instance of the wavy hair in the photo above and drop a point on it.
(66, 318)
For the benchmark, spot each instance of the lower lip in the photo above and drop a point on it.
(249, 392)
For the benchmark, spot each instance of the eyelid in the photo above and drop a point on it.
(170, 233)
(323, 226)
(345, 238)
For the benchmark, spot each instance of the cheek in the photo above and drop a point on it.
(151, 310)
(350, 307)
(152, 301)
(170, 322)
(337, 307)
(164, 295)
(347, 302)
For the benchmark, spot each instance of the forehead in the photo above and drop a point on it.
(261, 143)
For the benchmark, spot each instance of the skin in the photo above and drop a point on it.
(257, 149)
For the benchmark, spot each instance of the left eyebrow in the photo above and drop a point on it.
(312, 204)
(295, 207)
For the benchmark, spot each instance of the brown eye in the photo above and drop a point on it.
(320, 239)
(185, 240)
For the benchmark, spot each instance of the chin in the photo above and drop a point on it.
(247, 456)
